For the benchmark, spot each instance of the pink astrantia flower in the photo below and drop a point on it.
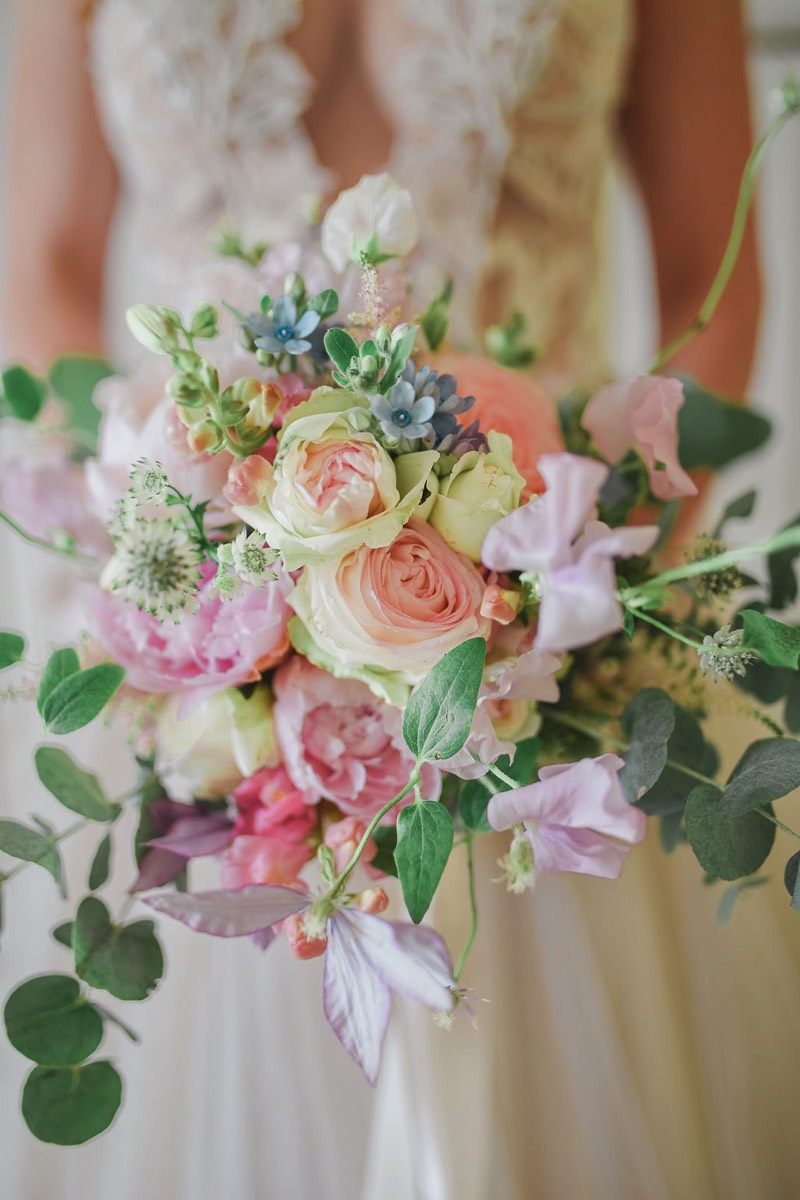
(642, 412)
(223, 644)
(367, 959)
(576, 817)
(571, 555)
(272, 830)
(341, 742)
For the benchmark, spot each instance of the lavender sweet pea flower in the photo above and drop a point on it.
(576, 817)
(283, 331)
(367, 959)
(571, 556)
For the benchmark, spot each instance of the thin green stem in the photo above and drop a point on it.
(43, 544)
(644, 616)
(501, 775)
(473, 904)
(723, 275)
(769, 816)
(343, 876)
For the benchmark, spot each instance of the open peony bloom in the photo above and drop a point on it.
(367, 959)
(642, 412)
(576, 817)
(571, 556)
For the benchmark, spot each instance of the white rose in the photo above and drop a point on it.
(480, 490)
(376, 216)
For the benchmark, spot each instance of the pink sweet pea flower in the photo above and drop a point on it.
(367, 959)
(576, 817)
(555, 539)
(642, 412)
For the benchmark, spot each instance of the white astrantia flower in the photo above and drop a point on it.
(376, 217)
(149, 482)
(249, 558)
(722, 658)
(156, 565)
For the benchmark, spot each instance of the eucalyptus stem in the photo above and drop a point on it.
(723, 275)
(769, 816)
(673, 633)
(343, 876)
(43, 544)
(59, 837)
(473, 904)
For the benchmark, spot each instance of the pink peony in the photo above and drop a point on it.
(642, 412)
(339, 741)
(272, 831)
(224, 644)
(576, 817)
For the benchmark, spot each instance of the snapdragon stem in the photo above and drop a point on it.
(343, 876)
(473, 904)
(43, 544)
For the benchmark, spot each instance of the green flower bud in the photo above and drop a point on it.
(205, 320)
(206, 438)
(294, 285)
(187, 390)
(151, 328)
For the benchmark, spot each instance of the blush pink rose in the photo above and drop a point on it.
(395, 608)
(642, 412)
(223, 644)
(272, 831)
(341, 742)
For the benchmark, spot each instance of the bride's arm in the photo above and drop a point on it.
(61, 190)
(688, 132)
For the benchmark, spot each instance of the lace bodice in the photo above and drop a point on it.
(502, 113)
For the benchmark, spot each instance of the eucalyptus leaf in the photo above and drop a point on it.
(648, 723)
(439, 713)
(24, 393)
(125, 960)
(79, 698)
(63, 934)
(67, 1106)
(49, 1021)
(713, 431)
(12, 648)
(791, 878)
(99, 870)
(20, 841)
(59, 666)
(688, 748)
(767, 770)
(782, 575)
(741, 507)
(424, 842)
(778, 644)
(727, 847)
(76, 789)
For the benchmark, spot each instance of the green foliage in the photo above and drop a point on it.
(63, 934)
(438, 716)
(507, 346)
(435, 321)
(522, 769)
(79, 698)
(648, 723)
(125, 960)
(473, 800)
(782, 576)
(688, 748)
(385, 838)
(74, 378)
(791, 878)
(23, 393)
(70, 1105)
(741, 507)
(777, 643)
(325, 303)
(732, 894)
(29, 845)
(341, 348)
(12, 648)
(424, 842)
(59, 666)
(49, 1021)
(713, 431)
(101, 863)
(766, 771)
(76, 789)
(727, 847)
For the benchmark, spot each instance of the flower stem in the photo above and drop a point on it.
(501, 775)
(673, 633)
(343, 876)
(43, 544)
(763, 812)
(473, 904)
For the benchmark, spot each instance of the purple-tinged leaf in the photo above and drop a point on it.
(195, 836)
(157, 868)
(356, 1001)
(230, 914)
(412, 960)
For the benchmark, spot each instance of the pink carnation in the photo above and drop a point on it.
(341, 742)
(224, 644)
(272, 831)
(642, 412)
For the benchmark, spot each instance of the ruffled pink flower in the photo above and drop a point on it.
(223, 644)
(341, 742)
(555, 539)
(274, 823)
(642, 412)
(248, 480)
(576, 817)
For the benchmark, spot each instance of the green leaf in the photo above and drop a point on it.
(424, 842)
(20, 841)
(385, 838)
(63, 934)
(79, 698)
(671, 832)
(341, 348)
(12, 648)
(400, 356)
(49, 1021)
(70, 1105)
(725, 846)
(473, 801)
(436, 320)
(76, 789)
(791, 878)
(99, 870)
(712, 431)
(522, 769)
(732, 894)
(778, 644)
(648, 723)
(688, 747)
(24, 392)
(59, 666)
(741, 507)
(325, 303)
(782, 577)
(125, 960)
(438, 716)
(766, 771)
(74, 378)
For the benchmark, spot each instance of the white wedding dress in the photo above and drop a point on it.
(628, 1050)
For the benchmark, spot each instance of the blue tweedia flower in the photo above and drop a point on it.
(401, 415)
(284, 331)
(448, 404)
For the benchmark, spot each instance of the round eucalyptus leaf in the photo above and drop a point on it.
(70, 1105)
(49, 1021)
(726, 847)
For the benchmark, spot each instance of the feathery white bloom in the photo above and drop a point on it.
(722, 659)
(149, 482)
(155, 565)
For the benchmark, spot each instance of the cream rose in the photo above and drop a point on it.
(333, 487)
(480, 490)
(387, 614)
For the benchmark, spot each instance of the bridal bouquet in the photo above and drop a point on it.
(357, 602)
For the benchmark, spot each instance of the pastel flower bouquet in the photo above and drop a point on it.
(357, 607)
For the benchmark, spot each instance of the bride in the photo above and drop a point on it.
(627, 1050)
